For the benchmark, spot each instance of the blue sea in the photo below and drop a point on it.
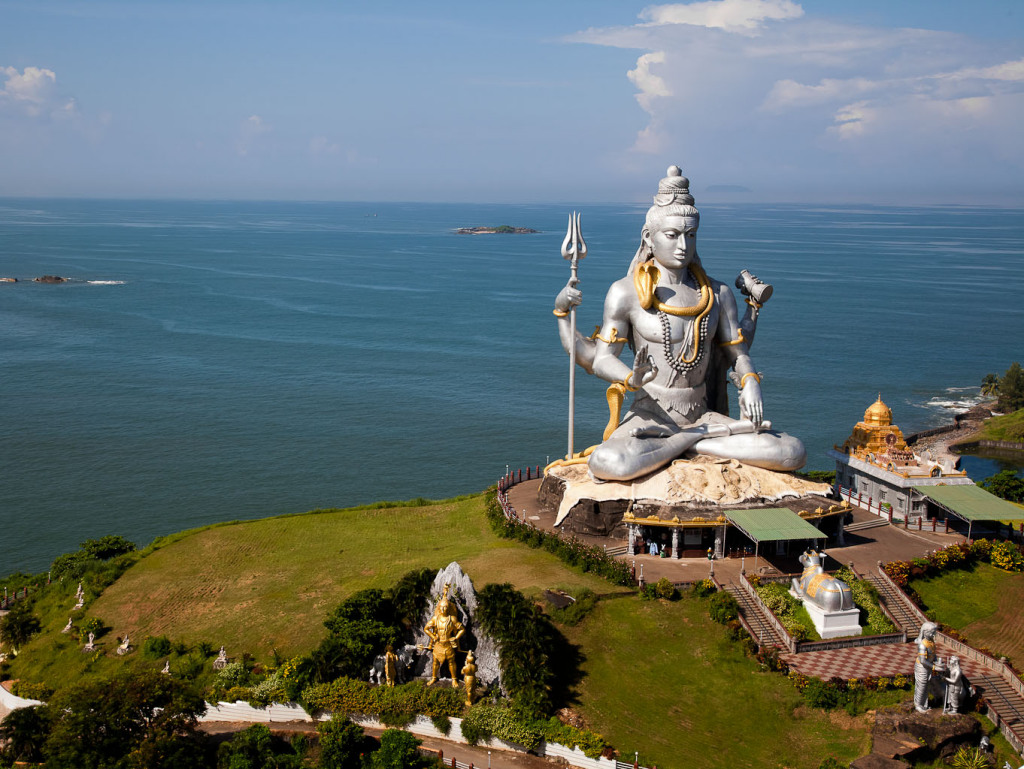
(214, 361)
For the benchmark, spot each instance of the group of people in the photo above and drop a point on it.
(653, 547)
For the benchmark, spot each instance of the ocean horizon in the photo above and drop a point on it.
(219, 360)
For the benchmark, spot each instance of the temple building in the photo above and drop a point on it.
(876, 470)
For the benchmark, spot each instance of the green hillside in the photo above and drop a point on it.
(660, 677)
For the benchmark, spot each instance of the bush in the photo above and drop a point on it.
(704, 588)
(527, 639)
(723, 607)
(156, 646)
(865, 598)
(341, 743)
(363, 625)
(1007, 556)
(666, 590)
(107, 547)
(587, 558)
(190, 667)
(347, 695)
(31, 691)
(818, 694)
(486, 721)
(575, 612)
(398, 750)
(442, 723)
(19, 624)
(93, 625)
(233, 675)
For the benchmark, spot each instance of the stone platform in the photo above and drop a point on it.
(697, 489)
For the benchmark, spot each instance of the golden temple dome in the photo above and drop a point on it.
(878, 413)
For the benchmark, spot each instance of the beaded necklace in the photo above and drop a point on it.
(645, 280)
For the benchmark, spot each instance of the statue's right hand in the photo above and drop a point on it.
(644, 369)
(569, 297)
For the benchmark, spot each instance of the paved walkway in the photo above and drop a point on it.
(863, 661)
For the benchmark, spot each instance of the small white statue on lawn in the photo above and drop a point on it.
(67, 627)
(125, 647)
(167, 668)
(222, 660)
(91, 646)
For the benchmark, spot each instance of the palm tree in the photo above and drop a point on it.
(990, 385)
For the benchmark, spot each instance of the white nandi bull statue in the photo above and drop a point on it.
(821, 589)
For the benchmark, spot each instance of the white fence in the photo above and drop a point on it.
(243, 711)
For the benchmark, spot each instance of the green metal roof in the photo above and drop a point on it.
(972, 503)
(769, 524)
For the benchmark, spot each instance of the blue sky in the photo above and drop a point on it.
(563, 100)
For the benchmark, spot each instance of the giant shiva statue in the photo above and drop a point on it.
(685, 333)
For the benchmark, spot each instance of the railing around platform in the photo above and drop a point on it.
(884, 510)
(8, 599)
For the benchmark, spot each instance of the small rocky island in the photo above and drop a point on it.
(503, 229)
(50, 279)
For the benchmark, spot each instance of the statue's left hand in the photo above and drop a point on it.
(751, 404)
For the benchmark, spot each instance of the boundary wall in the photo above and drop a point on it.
(420, 725)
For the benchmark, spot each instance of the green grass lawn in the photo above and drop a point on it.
(664, 680)
(983, 603)
(660, 678)
(259, 585)
(1008, 427)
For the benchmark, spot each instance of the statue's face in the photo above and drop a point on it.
(673, 241)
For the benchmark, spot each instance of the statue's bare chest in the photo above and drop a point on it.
(649, 326)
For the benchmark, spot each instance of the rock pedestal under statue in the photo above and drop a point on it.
(462, 595)
(697, 490)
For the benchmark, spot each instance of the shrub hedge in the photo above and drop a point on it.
(587, 558)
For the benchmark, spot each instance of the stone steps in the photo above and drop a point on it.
(869, 524)
(896, 604)
(764, 631)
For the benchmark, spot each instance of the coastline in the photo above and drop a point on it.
(942, 442)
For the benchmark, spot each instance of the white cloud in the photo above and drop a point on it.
(744, 16)
(758, 88)
(321, 145)
(252, 128)
(649, 84)
(33, 93)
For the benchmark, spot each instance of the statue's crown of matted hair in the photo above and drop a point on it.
(674, 188)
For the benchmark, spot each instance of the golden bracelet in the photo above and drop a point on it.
(627, 385)
(614, 336)
(560, 313)
(743, 381)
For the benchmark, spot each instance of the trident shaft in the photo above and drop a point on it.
(574, 248)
